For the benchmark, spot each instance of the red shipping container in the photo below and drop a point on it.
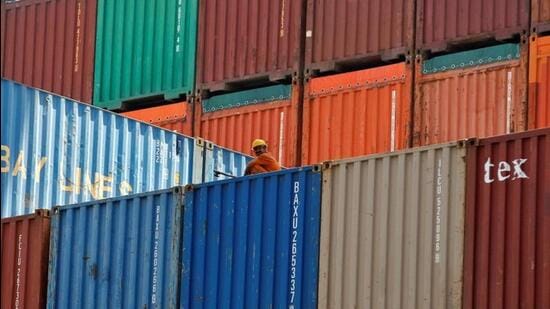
(175, 117)
(540, 16)
(507, 228)
(49, 44)
(234, 120)
(357, 113)
(342, 34)
(539, 82)
(477, 93)
(25, 249)
(241, 40)
(440, 24)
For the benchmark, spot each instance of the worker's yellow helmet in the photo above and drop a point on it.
(258, 142)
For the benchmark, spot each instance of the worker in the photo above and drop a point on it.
(263, 162)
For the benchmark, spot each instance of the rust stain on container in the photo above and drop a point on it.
(443, 23)
(25, 248)
(539, 82)
(507, 236)
(479, 101)
(357, 113)
(540, 16)
(50, 45)
(247, 40)
(176, 117)
(275, 121)
(340, 33)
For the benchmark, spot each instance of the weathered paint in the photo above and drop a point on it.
(357, 113)
(222, 163)
(25, 247)
(235, 120)
(144, 49)
(121, 253)
(444, 24)
(252, 242)
(484, 99)
(507, 240)
(243, 40)
(56, 151)
(340, 33)
(539, 82)
(392, 230)
(176, 117)
(50, 45)
(540, 16)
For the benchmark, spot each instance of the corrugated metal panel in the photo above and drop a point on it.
(25, 247)
(121, 253)
(484, 100)
(392, 230)
(241, 40)
(221, 163)
(539, 82)
(507, 252)
(50, 45)
(238, 255)
(347, 32)
(243, 119)
(174, 117)
(440, 24)
(144, 49)
(356, 113)
(540, 16)
(56, 151)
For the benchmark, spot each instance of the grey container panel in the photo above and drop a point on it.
(392, 230)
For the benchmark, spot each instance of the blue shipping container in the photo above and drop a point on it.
(252, 242)
(117, 253)
(56, 151)
(222, 163)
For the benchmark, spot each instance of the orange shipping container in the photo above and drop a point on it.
(176, 117)
(539, 82)
(234, 120)
(357, 113)
(478, 93)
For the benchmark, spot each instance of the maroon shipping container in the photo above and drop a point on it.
(540, 16)
(442, 24)
(350, 33)
(49, 44)
(25, 247)
(507, 240)
(247, 41)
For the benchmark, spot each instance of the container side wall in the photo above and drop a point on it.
(392, 230)
(176, 117)
(121, 252)
(356, 113)
(222, 163)
(276, 122)
(442, 24)
(340, 32)
(241, 40)
(507, 252)
(25, 247)
(50, 45)
(56, 151)
(540, 15)
(539, 82)
(239, 255)
(478, 101)
(143, 50)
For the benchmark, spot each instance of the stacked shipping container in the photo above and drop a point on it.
(176, 117)
(539, 82)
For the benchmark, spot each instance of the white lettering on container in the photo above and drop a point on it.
(18, 275)
(294, 243)
(439, 204)
(156, 256)
(504, 170)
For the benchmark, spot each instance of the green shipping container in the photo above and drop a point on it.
(144, 49)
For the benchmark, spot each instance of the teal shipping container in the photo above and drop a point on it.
(145, 50)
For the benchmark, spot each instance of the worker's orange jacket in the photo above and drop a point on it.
(262, 164)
